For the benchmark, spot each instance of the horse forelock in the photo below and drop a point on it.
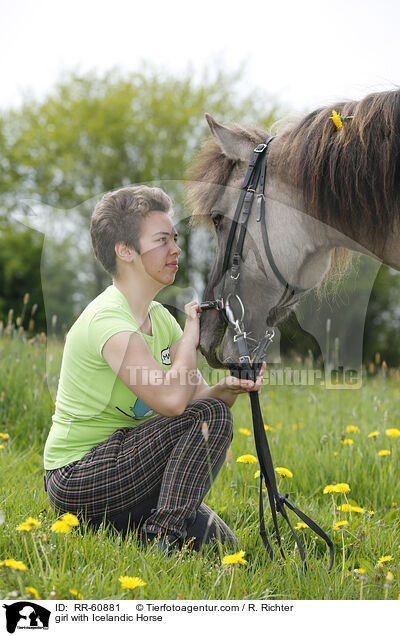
(212, 168)
(349, 177)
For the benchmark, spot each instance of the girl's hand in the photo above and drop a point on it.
(192, 325)
(230, 387)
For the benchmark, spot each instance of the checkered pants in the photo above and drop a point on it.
(154, 476)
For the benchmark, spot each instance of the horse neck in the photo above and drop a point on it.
(319, 236)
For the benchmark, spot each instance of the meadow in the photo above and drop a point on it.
(323, 437)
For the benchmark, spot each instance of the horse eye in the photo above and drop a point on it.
(216, 218)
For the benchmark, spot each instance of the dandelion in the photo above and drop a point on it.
(70, 519)
(340, 525)
(13, 564)
(392, 432)
(131, 582)
(257, 474)
(284, 472)
(374, 434)
(342, 488)
(4, 435)
(336, 118)
(247, 459)
(29, 524)
(350, 508)
(75, 592)
(383, 453)
(346, 441)
(33, 591)
(2, 446)
(352, 429)
(301, 525)
(385, 559)
(244, 431)
(61, 526)
(235, 558)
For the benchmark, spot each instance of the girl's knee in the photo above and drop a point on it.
(217, 415)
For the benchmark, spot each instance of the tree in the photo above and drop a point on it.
(94, 133)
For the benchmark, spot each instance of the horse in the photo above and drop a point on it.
(332, 188)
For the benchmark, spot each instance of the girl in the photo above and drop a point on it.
(138, 436)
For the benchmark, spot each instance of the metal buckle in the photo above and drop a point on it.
(229, 311)
(260, 148)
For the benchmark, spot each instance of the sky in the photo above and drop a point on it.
(305, 54)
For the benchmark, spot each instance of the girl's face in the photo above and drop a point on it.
(159, 251)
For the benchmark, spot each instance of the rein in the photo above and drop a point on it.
(249, 366)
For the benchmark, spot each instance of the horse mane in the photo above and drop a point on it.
(349, 177)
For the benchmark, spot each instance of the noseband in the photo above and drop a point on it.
(255, 178)
(250, 366)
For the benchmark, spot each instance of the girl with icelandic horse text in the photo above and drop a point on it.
(127, 444)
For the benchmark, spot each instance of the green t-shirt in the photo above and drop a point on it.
(92, 402)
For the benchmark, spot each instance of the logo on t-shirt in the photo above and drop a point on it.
(140, 409)
(165, 356)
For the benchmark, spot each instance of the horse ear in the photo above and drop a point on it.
(231, 143)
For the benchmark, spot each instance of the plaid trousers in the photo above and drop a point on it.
(154, 476)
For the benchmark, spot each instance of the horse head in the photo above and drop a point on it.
(329, 186)
(301, 249)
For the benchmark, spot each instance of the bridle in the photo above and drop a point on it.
(249, 366)
(255, 178)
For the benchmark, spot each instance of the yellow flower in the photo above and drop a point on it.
(33, 591)
(300, 525)
(352, 429)
(361, 570)
(75, 592)
(4, 436)
(28, 525)
(257, 474)
(285, 472)
(346, 441)
(24, 527)
(340, 524)
(342, 488)
(244, 431)
(247, 459)
(61, 526)
(392, 432)
(70, 519)
(336, 488)
(374, 434)
(385, 559)
(130, 582)
(336, 118)
(335, 453)
(2, 446)
(235, 558)
(12, 563)
(383, 453)
(349, 508)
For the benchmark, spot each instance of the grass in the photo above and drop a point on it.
(307, 426)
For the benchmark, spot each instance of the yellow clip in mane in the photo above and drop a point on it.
(338, 119)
